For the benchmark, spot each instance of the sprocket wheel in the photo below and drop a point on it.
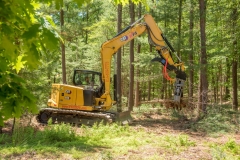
(44, 117)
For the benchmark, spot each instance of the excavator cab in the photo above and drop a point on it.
(89, 80)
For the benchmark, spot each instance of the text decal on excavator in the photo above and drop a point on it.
(107, 72)
(74, 107)
(129, 36)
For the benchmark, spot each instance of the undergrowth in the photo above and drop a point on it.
(104, 141)
(57, 133)
(229, 150)
(175, 143)
(218, 120)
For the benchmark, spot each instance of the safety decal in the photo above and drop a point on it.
(129, 36)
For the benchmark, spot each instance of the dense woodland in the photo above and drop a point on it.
(42, 42)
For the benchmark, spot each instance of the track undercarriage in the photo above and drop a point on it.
(81, 117)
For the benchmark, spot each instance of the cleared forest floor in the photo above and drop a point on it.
(165, 125)
(179, 141)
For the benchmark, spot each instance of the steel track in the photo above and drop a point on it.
(74, 116)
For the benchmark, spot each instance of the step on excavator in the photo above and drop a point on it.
(89, 99)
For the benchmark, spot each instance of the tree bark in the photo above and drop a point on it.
(179, 27)
(214, 88)
(131, 72)
(235, 85)
(119, 63)
(191, 71)
(64, 79)
(220, 79)
(163, 88)
(149, 81)
(86, 31)
(203, 87)
(137, 70)
(149, 90)
(234, 58)
(227, 80)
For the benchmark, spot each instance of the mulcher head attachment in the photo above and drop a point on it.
(178, 92)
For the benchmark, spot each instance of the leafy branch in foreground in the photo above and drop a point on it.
(24, 36)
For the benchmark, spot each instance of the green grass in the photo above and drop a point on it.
(218, 120)
(105, 141)
(229, 150)
(174, 143)
(123, 138)
(113, 141)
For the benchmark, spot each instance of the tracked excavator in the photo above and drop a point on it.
(89, 99)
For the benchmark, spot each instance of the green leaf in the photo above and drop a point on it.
(35, 5)
(58, 4)
(49, 40)
(18, 100)
(4, 65)
(81, 2)
(8, 48)
(32, 56)
(32, 32)
(17, 110)
(15, 78)
(19, 64)
(49, 19)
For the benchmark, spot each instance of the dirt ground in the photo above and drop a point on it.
(164, 125)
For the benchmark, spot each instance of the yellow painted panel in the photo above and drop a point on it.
(68, 97)
(79, 97)
(55, 92)
(76, 107)
(67, 94)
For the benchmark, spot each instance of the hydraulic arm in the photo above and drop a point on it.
(157, 39)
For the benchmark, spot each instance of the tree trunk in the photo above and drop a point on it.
(153, 89)
(235, 58)
(131, 72)
(220, 79)
(144, 91)
(203, 97)
(137, 70)
(64, 79)
(179, 27)
(191, 71)
(217, 84)
(163, 88)
(227, 79)
(235, 85)
(149, 90)
(149, 81)
(214, 88)
(119, 63)
(86, 31)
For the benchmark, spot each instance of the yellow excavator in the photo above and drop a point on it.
(89, 99)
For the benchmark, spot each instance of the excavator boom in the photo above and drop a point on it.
(157, 39)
